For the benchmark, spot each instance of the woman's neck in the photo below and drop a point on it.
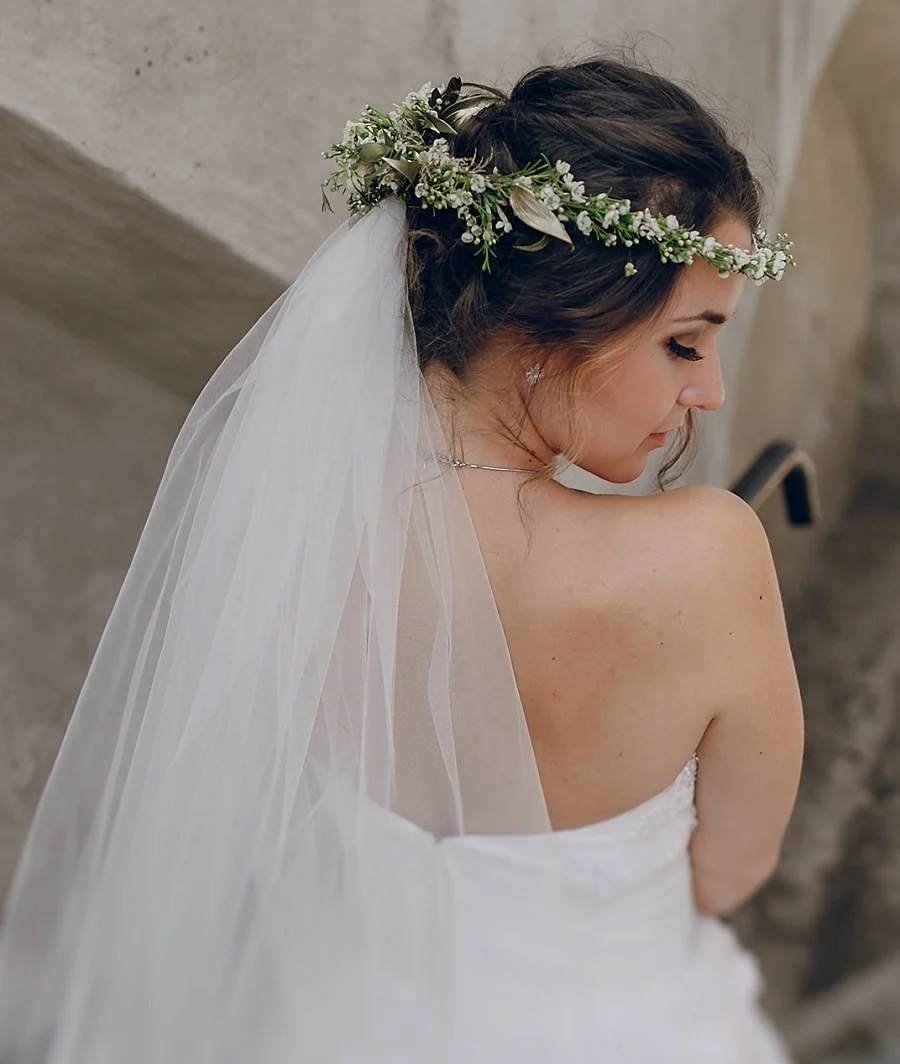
(472, 420)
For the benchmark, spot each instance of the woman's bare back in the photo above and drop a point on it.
(631, 629)
(588, 608)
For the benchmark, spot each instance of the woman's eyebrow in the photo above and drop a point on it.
(711, 316)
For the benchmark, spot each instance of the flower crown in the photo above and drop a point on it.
(407, 151)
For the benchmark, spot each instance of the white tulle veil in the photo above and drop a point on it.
(304, 664)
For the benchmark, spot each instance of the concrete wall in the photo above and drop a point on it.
(801, 376)
(71, 509)
(867, 72)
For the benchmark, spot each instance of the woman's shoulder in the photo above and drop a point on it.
(689, 558)
(698, 533)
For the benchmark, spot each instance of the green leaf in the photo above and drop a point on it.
(440, 126)
(533, 212)
(407, 169)
(539, 246)
(326, 205)
(371, 153)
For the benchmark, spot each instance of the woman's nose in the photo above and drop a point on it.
(706, 390)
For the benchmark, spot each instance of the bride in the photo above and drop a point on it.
(395, 749)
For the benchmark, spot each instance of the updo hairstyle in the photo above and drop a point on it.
(624, 130)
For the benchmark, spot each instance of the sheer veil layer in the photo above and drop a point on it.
(305, 650)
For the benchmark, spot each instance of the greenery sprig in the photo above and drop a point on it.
(406, 153)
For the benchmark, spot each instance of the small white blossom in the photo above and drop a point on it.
(467, 237)
(584, 223)
(478, 183)
(630, 269)
(561, 167)
(549, 196)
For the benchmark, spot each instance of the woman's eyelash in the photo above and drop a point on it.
(680, 351)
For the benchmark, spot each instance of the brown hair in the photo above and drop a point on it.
(624, 130)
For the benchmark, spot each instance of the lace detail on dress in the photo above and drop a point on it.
(604, 856)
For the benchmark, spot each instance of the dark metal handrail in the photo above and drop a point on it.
(783, 463)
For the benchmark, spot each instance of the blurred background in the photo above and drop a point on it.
(159, 187)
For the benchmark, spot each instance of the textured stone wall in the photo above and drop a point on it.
(801, 376)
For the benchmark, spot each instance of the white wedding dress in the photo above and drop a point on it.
(582, 945)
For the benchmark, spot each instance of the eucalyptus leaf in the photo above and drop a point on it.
(441, 126)
(538, 246)
(372, 152)
(407, 169)
(536, 214)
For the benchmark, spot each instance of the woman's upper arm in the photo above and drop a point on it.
(751, 753)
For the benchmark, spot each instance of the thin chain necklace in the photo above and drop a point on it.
(445, 459)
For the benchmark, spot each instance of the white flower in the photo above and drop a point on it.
(479, 184)
(630, 269)
(467, 238)
(549, 196)
(671, 221)
(561, 167)
(584, 223)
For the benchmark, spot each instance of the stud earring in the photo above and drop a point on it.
(533, 374)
